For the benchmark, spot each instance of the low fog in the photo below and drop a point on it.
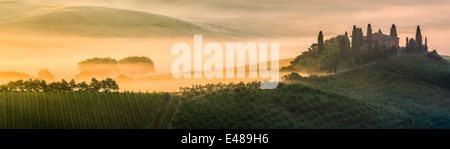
(293, 24)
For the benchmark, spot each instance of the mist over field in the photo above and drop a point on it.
(134, 64)
(57, 35)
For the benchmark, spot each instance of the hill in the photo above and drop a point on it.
(412, 89)
(101, 21)
(6, 76)
(409, 91)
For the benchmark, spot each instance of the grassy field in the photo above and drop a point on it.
(409, 91)
(288, 106)
(412, 90)
(79, 110)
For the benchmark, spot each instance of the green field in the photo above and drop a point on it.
(80, 110)
(289, 106)
(409, 91)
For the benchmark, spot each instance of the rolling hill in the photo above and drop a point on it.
(408, 91)
(101, 22)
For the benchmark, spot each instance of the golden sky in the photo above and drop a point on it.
(292, 23)
(303, 18)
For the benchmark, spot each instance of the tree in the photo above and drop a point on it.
(28, 85)
(369, 42)
(360, 37)
(63, 86)
(292, 76)
(347, 46)
(16, 85)
(411, 45)
(329, 59)
(407, 42)
(355, 44)
(311, 52)
(310, 65)
(95, 85)
(54, 86)
(97, 68)
(393, 31)
(320, 43)
(4, 88)
(136, 66)
(360, 41)
(44, 86)
(419, 39)
(109, 85)
(83, 86)
(426, 44)
(344, 46)
(332, 42)
(379, 31)
(73, 85)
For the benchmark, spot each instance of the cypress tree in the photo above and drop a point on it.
(406, 42)
(320, 43)
(342, 49)
(355, 44)
(360, 37)
(412, 45)
(393, 31)
(353, 38)
(407, 45)
(419, 39)
(347, 46)
(343, 43)
(369, 41)
(361, 42)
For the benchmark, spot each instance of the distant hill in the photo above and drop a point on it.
(6, 76)
(101, 21)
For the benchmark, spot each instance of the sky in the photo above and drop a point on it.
(303, 18)
(294, 24)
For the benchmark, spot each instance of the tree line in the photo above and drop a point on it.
(326, 55)
(106, 85)
(132, 66)
(416, 46)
